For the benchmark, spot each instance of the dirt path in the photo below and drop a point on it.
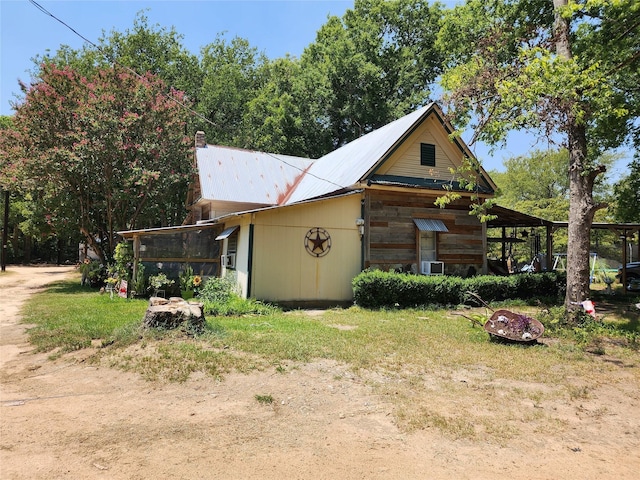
(67, 419)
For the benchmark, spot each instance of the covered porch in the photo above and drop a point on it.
(512, 227)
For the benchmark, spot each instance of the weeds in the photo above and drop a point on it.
(264, 399)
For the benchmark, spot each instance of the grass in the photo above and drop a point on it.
(438, 369)
(68, 317)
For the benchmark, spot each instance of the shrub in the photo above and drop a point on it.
(220, 298)
(378, 289)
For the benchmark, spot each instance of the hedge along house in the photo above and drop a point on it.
(295, 230)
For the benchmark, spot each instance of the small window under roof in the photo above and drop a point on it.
(227, 232)
(427, 154)
(430, 225)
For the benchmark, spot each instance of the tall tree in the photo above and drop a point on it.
(273, 120)
(143, 49)
(230, 81)
(545, 66)
(103, 152)
(373, 65)
(627, 194)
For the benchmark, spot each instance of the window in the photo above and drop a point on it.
(427, 154)
(427, 246)
(230, 235)
(427, 239)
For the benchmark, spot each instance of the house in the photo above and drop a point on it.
(295, 230)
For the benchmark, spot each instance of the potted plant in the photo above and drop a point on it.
(189, 283)
(158, 283)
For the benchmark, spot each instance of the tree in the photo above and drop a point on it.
(545, 67)
(230, 81)
(373, 65)
(103, 152)
(627, 194)
(273, 120)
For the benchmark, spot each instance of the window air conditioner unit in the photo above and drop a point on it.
(432, 268)
(228, 261)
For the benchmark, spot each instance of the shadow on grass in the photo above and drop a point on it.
(619, 307)
(69, 287)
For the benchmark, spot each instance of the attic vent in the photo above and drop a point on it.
(427, 154)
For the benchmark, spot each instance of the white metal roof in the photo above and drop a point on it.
(346, 166)
(236, 175)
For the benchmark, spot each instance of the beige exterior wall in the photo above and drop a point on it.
(405, 161)
(284, 271)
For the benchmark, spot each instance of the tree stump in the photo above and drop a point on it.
(174, 313)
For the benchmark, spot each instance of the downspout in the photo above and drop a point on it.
(136, 262)
(485, 250)
(549, 265)
(623, 278)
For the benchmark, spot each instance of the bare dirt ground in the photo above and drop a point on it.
(66, 419)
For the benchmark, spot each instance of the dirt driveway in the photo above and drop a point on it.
(66, 419)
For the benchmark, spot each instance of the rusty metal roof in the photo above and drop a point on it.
(265, 179)
(237, 175)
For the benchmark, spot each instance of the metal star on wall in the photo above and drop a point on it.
(317, 241)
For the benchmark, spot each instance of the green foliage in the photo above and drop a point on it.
(94, 273)
(545, 67)
(378, 289)
(371, 66)
(101, 152)
(264, 399)
(139, 286)
(220, 298)
(123, 258)
(627, 194)
(160, 281)
(218, 290)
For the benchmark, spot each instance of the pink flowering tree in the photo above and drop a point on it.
(102, 153)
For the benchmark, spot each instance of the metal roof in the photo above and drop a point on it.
(430, 225)
(265, 179)
(227, 233)
(346, 166)
(237, 175)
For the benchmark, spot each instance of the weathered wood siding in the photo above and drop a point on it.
(392, 242)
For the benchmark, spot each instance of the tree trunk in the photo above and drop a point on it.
(581, 211)
(581, 178)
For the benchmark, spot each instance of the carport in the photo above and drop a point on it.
(507, 218)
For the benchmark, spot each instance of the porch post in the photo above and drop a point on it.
(623, 279)
(549, 248)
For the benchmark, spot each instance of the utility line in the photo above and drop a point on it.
(181, 104)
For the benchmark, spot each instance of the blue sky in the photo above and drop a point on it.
(276, 27)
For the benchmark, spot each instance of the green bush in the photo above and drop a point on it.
(220, 298)
(378, 289)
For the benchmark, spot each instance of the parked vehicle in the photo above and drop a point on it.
(633, 276)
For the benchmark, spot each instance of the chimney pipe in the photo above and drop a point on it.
(200, 140)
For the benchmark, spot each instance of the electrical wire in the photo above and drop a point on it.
(169, 97)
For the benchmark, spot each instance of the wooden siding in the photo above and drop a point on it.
(405, 161)
(391, 239)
